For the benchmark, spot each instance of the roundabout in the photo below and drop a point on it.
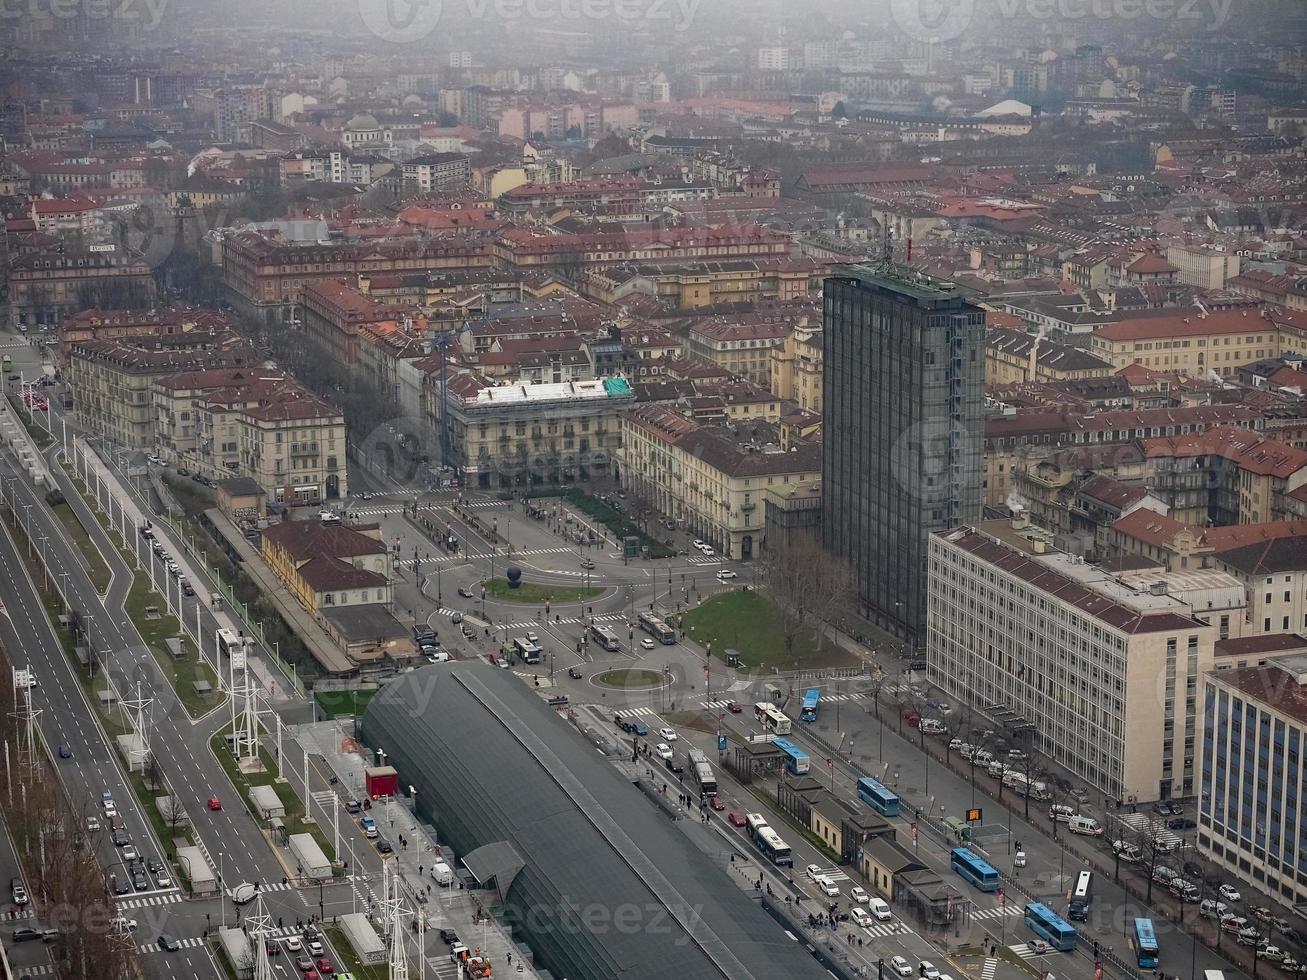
(629, 679)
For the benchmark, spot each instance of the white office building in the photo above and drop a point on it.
(1105, 674)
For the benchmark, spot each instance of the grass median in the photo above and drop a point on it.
(350, 963)
(616, 521)
(182, 674)
(243, 781)
(96, 568)
(531, 593)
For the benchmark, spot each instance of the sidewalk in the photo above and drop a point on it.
(267, 678)
(445, 908)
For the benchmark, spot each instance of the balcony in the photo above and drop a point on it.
(304, 449)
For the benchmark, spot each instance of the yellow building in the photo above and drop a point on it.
(796, 368)
(742, 346)
(1015, 357)
(1200, 343)
(327, 566)
(711, 478)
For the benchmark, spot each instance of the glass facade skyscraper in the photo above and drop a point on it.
(1251, 819)
(902, 431)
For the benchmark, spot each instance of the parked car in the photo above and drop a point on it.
(1181, 823)
(1229, 893)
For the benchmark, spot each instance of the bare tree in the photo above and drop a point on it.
(807, 584)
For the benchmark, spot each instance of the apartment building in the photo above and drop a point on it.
(1205, 268)
(1225, 475)
(291, 442)
(1107, 676)
(742, 348)
(1104, 441)
(1015, 357)
(796, 368)
(46, 287)
(1274, 576)
(434, 171)
(112, 381)
(1254, 775)
(711, 478)
(327, 566)
(526, 435)
(1198, 343)
(96, 324)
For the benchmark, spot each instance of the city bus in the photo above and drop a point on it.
(229, 642)
(974, 869)
(1146, 944)
(810, 699)
(960, 829)
(754, 822)
(876, 796)
(656, 628)
(605, 637)
(1050, 927)
(796, 760)
(703, 774)
(526, 651)
(1082, 895)
(773, 848)
(771, 718)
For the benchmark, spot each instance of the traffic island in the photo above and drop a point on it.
(748, 621)
(530, 593)
(630, 679)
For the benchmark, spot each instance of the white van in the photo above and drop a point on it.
(880, 909)
(442, 874)
(1084, 825)
(1061, 813)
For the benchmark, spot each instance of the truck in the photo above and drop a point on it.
(381, 781)
(309, 858)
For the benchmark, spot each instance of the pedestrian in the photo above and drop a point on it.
(508, 958)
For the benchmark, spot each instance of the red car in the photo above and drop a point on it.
(324, 966)
(735, 818)
(734, 708)
(215, 803)
(716, 804)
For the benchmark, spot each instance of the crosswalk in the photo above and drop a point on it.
(167, 898)
(1023, 950)
(882, 929)
(190, 942)
(996, 913)
(989, 969)
(834, 874)
(536, 624)
(634, 712)
(719, 705)
(40, 970)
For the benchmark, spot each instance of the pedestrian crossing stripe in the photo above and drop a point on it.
(996, 913)
(632, 712)
(190, 942)
(1023, 950)
(40, 970)
(139, 903)
(883, 929)
(990, 968)
(834, 874)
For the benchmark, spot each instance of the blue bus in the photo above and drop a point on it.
(1145, 944)
(973, 868)
(810, 699)
(1050, 927)
(796, 760)
(878, 797)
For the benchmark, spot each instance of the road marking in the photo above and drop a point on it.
(633, 712)
(990, 968)
(1023, 950)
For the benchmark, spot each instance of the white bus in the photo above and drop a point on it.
(775, 849)
(755, 822)
(605, 637)
(229, 642)
(771, 718)
(526, 651)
